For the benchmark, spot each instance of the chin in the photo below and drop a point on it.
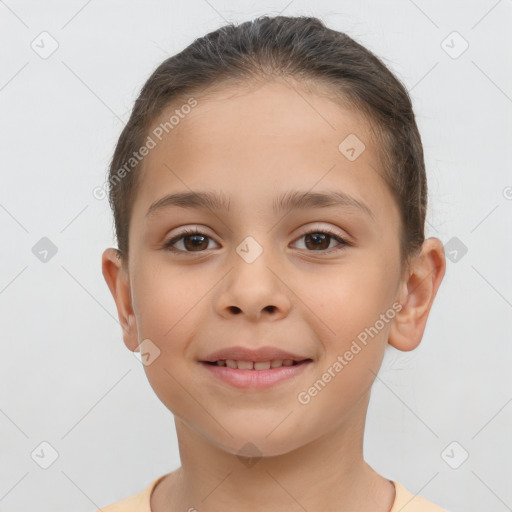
(255, 443)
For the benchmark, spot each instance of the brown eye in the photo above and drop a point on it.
(195, 242)
(190, 240)
(321, 241)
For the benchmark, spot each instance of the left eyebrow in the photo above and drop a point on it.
(296, 199)
(291, 200)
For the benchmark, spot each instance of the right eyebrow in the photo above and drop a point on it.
(205, 200)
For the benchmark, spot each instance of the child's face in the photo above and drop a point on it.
(303, 294)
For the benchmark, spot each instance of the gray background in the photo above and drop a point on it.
(67, 378)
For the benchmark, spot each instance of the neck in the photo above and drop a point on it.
(328, 473)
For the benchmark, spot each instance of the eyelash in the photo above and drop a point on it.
(324, 231)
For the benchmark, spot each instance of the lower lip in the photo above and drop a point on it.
(256, 379)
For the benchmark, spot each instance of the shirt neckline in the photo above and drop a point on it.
(399, 495)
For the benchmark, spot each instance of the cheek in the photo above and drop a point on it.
(164, 302)
(353, 336)
(166, 306)
(345, 299)
(347, 305)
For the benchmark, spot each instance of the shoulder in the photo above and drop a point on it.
(405, 501)
(131, 503)
(139, 502)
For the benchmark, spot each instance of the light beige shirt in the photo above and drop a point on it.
(405, 501)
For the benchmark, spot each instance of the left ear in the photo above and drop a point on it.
(417, 293)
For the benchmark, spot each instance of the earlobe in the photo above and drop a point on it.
(417, 293)
(116, 277)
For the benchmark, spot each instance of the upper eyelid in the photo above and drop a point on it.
(332, 232)
(188, 231)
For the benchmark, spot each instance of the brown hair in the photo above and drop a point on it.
(306, 51)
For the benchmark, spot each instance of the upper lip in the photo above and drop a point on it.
(240, 353)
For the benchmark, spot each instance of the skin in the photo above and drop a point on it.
(254, 144)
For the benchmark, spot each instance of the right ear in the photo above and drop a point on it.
(116, 275)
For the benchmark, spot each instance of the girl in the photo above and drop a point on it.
(269, 198)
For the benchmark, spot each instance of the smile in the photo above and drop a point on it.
(255, 365)
(256, 375)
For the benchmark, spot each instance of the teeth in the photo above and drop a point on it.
(260, 365)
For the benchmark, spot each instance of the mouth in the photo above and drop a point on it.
(256, 365)
(256, 375)
(244, 355)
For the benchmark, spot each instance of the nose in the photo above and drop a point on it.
(253, 290)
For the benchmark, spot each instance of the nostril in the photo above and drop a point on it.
(235, 309)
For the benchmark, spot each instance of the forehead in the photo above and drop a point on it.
(259, 139)
(259, 114)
